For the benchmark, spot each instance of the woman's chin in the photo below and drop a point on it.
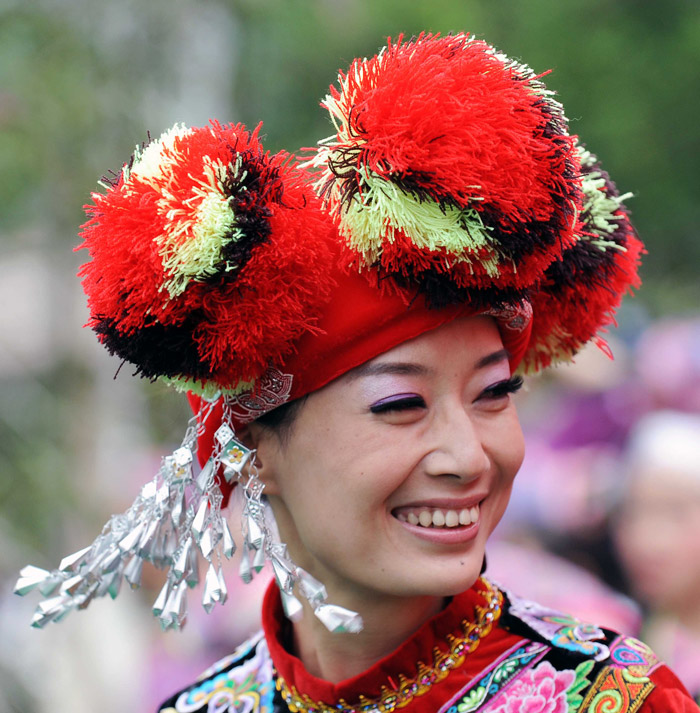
(439, 582)
(455, 586)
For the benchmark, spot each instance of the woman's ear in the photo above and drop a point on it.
(266, 446)
(247, 436)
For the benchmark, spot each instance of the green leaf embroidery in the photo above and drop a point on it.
(574, 696)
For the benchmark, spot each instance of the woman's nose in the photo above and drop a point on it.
(456, 447)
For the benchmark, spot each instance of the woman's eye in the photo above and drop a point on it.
(397, 402)
(502, 388)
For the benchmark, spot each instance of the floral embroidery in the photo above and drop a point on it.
(576, 693)
(560, 629)
(497, 676)
(244, 688)
(635, 655)
(539, 690)
(515, 317)
(622, 686)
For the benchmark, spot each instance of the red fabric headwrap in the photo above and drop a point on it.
(359, 323)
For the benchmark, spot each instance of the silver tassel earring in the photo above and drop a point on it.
(175, 523)
(260, 542)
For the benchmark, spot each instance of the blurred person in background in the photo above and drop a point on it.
(667, 364)
(657, 529)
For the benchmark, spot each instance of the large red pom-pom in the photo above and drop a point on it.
(192, 248)
(452, 169)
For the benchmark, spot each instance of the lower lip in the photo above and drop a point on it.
(443, 535)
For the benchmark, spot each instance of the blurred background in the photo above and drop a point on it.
(82, 82)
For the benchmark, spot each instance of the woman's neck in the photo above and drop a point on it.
(337, 657)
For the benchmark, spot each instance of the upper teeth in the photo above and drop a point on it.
(433, 517)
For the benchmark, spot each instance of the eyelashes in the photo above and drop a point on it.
(397, 402)
(405, 402)
(503, 388)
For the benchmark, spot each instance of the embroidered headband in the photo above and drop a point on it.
(451, 187)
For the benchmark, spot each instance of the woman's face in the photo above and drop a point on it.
(393, 476)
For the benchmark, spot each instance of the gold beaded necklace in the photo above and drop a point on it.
(392, 698)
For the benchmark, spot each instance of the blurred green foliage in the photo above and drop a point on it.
(77, 79)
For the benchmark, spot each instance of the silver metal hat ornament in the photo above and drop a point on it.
(176, 523)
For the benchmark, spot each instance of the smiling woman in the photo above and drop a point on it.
(351, 349)
(446, 445)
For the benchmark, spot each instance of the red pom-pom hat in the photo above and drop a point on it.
(451, 167)
(452, 187)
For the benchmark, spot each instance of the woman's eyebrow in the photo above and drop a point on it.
(388, 367)
(401, 368)
(495, 358)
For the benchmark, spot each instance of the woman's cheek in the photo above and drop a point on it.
(508, 447)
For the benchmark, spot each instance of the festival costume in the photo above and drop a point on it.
(451, 188)
(527, 658)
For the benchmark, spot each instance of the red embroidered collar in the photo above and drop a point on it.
(409, 672)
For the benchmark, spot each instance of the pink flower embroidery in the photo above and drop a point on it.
(539, 690)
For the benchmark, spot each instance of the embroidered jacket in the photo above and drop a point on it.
(530, 659)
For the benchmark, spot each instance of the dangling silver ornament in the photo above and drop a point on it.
(132, 572)
(293, 608)
(223, 589)
(30, 577)
(182, 561)
(339, 620)
(174, 521)
(200, 519)
(229, 546)
(70, 562)
(244, 571)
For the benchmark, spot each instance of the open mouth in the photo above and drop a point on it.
(439, 517)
